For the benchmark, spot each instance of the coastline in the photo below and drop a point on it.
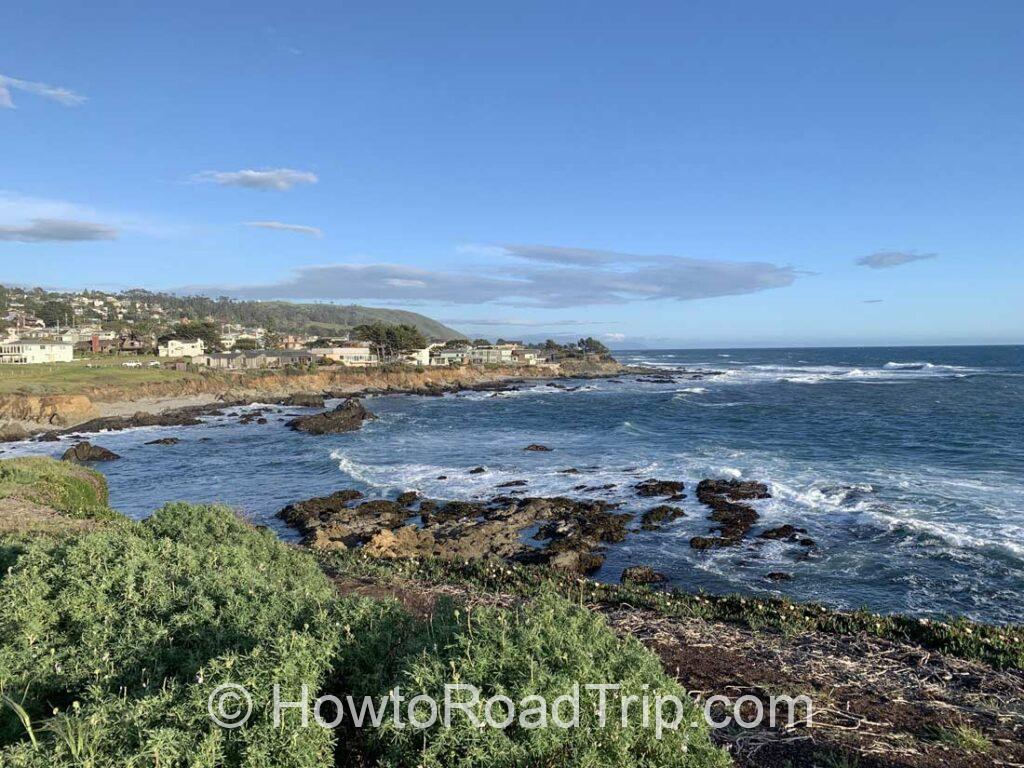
(24, 415)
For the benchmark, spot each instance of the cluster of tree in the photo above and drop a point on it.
(390, 341)
(207, 331)
(588, 347)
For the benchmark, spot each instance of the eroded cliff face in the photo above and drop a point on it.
(24, 414)
(45, 410)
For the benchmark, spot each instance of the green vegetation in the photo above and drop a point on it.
(542, 648)
(963, 737)
(206, 331)
(1000, 646)
(83, 374)
(114, 639)
(70, 489)
(389, 341)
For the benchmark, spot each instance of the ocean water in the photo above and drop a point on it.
(905, 465)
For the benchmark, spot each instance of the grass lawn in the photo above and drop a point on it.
(83, 374)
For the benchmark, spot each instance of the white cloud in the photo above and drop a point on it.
(280, 179)
(565, 277)
(615, 336)
(52, 92)
(34, 219)
(887, 259)
(280, 225)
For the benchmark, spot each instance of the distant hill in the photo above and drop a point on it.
(153, 310)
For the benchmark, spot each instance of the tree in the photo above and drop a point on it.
(246, 343)
(592, 346)
(55, 313)
(206, 331)
(389, 341)
(481, 343)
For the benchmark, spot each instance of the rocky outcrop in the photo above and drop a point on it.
(652, 487)
(86, 451)
(653, 519)
(177, 417)
(572, 534)
(537, 447)
(304, 400)
(164, 441)
(642, 574)
(734, 519)
(347, 417)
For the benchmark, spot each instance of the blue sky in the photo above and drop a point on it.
(685, 173)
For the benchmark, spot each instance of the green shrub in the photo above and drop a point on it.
(113, 640)
(542, 649)
(67, 488)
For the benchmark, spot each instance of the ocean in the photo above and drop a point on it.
(905, 465)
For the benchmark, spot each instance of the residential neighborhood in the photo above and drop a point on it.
(38, 326)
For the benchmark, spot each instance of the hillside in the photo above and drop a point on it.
(147, 311)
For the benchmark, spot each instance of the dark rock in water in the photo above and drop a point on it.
(442, 477)
(512, 484)
(347, 417)
(304, 400)
(806, 542)
(569, 471)
(779, 576)
(783, 532)
(735, 520)
(407, 498)
(427, 506)
(86, 451)
(653, 518)
(477, 470)
(735, 490)
(261, 420)
(656, 379)
(537, 447)
(642, 574)
(654, 487)
(165, 441)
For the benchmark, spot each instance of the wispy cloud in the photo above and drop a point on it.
(872, 301)
(52, 92)
(57, 230)
(280, 225)
(280, 179)
(887, 259)
(563, 277)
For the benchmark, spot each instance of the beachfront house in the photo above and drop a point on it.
(28, 352)
(357, 356)
(180, 348)
(257, 358)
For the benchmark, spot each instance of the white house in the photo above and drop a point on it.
(180, 348)
(358, 356)
(25, 352)
(421, 356)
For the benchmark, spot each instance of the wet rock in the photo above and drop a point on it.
(779, 576)
(442, 477)
(512, 484)
(537, 447)
(783, 533)
(735, 490)
(261, 420)
(86, 451)
(165, 441)
(407, 498)
(807, 542)
(654, 487)
(304, 400)
(311, 513)
(477, 470)
(569, 471)
(347, 417)
(653, 519)
(642, 574)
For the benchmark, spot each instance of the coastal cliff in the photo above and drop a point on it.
(24, 414)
